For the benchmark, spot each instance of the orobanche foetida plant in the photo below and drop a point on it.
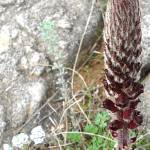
(122, 36)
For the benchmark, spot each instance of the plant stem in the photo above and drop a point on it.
(123, 134)
(123, 139)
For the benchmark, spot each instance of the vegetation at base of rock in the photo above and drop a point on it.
(93, 142)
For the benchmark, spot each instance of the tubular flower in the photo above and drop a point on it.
(122, 37)
(108, 104)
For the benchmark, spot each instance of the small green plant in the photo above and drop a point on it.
(95, 136)
(99, 127)
(50, 36)
(143, 142)
(74, 137)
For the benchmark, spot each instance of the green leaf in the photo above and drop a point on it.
(101, 119)
(92, 147)
(47, 25)
(95, 144)
(90, 128)
(97, 141)
(74, 137)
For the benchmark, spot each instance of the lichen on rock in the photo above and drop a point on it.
(26, 76)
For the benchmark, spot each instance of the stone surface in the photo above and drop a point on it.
(2, 121)
(145, 104)
(27, 53)
(4, 39)
(145, 9)
(6, 2)
(145, 72)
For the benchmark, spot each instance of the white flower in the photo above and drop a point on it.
(37, 135)
(20, 140)
(7, 147)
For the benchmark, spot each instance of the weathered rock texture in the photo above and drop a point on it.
(145, 72)
(145, 105)
(145, 9)
(25, 81)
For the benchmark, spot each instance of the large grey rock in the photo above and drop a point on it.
(145, 104)
(145, 9)
(6, 2)
(145, 72)
(26, 51)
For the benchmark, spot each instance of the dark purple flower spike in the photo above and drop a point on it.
(122, 36)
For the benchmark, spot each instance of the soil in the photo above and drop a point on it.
(92, 71)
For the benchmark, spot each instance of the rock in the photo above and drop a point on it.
(145, 8)
(37, 40)
(2, 122)
(145, 71)
(37, 90)
(14, 33)
(6, 2)
(4, 39)
(26, 100)
(145, 104)
(64, 24)
(1, 9)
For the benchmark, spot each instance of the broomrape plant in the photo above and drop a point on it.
(122, 36)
